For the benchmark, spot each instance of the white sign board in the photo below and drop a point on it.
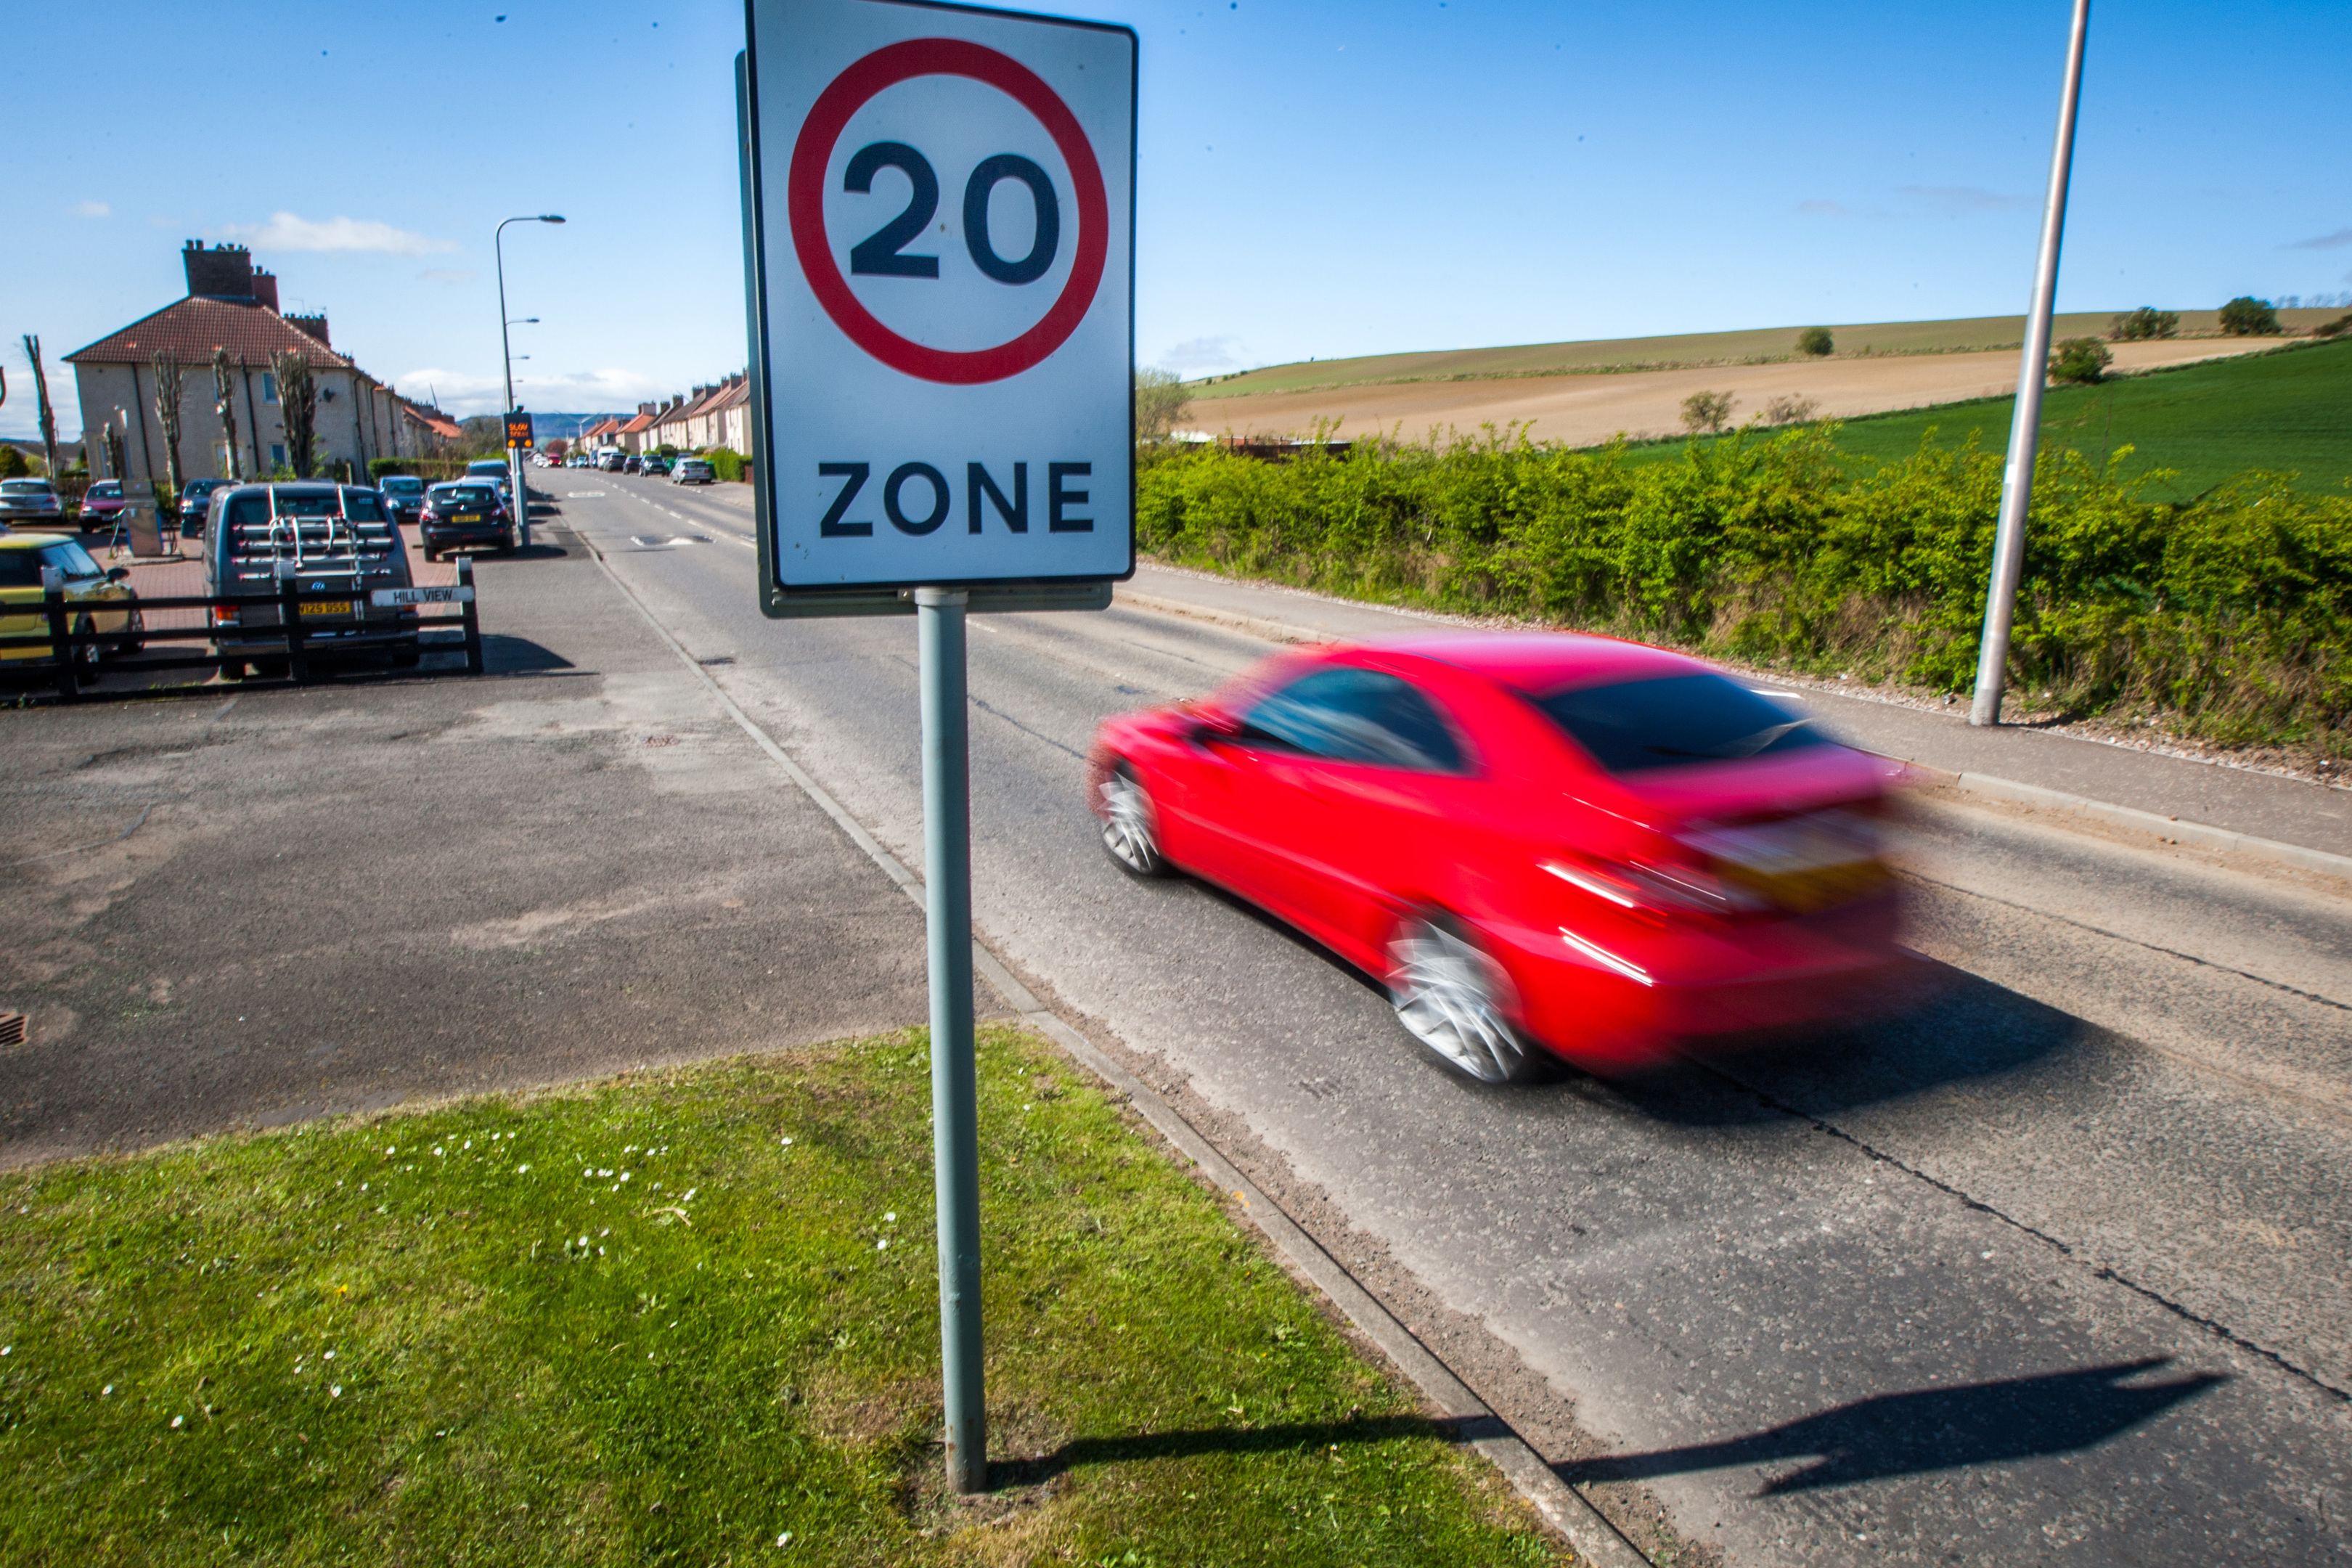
(383, 598)
(939, 208)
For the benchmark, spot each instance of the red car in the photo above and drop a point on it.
(1541, 842)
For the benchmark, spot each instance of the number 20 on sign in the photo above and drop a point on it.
(940, 236)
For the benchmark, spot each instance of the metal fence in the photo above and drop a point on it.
(74, 645)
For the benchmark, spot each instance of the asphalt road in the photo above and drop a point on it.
(2053, 1269)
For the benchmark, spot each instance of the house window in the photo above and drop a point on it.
(277, 455)
(268, 387)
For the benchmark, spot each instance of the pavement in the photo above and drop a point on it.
(248, 907)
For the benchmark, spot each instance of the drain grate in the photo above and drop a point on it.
(14, 1029)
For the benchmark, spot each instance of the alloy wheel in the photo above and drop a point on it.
(1129, 829)
(1449, 996)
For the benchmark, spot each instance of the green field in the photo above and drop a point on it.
(690, 1317)
(1752, 346)
(2285, 412)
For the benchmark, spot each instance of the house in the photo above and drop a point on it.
(232, 306)
(605, 432)
(633, 434)
(423, 431)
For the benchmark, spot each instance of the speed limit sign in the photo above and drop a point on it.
(939, 224)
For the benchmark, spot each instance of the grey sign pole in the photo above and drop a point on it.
(2025, 428)
(955, 1116)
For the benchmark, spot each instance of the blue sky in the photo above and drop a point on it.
(1313, 180)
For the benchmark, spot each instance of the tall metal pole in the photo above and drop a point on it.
(2025, 428)
(506, 351)
(955, 1117)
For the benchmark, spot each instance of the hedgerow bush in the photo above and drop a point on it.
(2231, 613)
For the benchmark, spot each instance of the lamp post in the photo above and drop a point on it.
(2025, 427)
(506, 350)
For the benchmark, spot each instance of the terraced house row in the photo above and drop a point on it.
(708, 418)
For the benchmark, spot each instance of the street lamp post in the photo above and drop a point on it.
(506, 350)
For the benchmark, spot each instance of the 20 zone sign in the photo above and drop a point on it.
(942, 295)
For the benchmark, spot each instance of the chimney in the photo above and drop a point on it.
(648, 408)
(262, 288)
(224, 272)
(312, 326)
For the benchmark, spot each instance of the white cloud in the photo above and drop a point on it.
(285, 231)
(467, 392)
(1954, 200)
(2325, 242)
(92, 209)
(1199, 356)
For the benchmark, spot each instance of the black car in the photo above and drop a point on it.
(462, 513)
(654, 463)
(195, 499)
(403, 496)
(633, 464)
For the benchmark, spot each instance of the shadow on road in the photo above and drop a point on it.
(503, 655)
(1930, 1429)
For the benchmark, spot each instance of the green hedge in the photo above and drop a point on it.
(2231, 613)
(729, 465)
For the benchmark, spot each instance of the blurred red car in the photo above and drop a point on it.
(1540, 842)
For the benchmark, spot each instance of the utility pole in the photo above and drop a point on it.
(41, 399)
(506, 350)
(2025, 428)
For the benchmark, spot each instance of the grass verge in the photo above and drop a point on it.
(690, 1317)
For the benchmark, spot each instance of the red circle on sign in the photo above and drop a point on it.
(804, 200)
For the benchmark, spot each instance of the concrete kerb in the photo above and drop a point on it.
(1587, 1532)
(2166, 831)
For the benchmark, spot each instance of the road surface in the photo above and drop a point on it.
(2055, 1269)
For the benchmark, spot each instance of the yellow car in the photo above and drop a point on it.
(98, 600)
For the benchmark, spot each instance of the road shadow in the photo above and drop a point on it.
(504, 655)
(1929, 1429)
(1311, 1436)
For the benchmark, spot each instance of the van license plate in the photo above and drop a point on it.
(328, 607)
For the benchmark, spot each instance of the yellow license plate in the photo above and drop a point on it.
(330, 607)
(467, 517)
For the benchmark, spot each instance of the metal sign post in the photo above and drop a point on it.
(519, 441)
(2025, 426)
(938, 243)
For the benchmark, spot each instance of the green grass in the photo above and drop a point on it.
(2290, 411)
(435, 1338)
(1749, 346)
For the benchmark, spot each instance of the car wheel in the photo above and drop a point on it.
(268, 668)
(431, 555)
(1451, 997)
(1130, 829)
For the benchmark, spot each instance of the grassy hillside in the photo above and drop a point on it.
(1687, 349)
(2290, 411)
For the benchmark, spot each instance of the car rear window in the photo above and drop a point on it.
(24, 486)
(1674, 721)
(20, 568)
(465, 495)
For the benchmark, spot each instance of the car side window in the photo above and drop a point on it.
(1356, 716)
(72, 559)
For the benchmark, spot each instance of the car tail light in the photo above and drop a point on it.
(1658, 889)
(223, 617)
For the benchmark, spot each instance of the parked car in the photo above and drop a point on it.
(101, 504)
(693, 471)
(100, 600)
(195, 500)
(32, 502)
(403, 496)
(465, 512)
(610, 460)
(1542, 843)
(633, 463)
(339, 539)
(654, 463)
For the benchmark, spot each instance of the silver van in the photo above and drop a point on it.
(333, 540)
